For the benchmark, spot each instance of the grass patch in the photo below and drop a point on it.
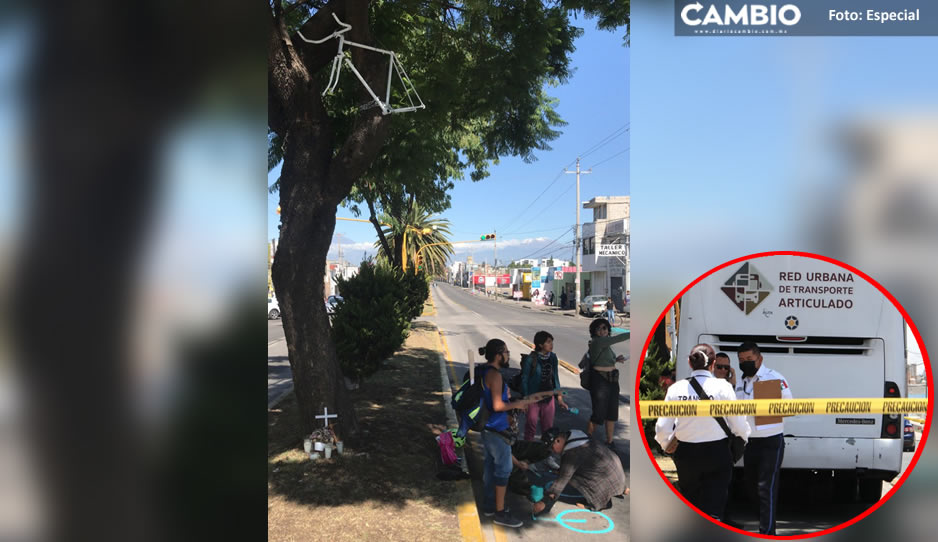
(384, 486)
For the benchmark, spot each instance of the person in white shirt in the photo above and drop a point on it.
(766, 447)
(700, 446)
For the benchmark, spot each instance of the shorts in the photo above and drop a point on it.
(604, 395)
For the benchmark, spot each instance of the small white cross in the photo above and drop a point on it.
(325, 417)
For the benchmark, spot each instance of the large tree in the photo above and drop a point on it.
(479, 68)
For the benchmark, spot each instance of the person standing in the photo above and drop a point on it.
(539, 373)
(495, 437)
(700, 447)
(604, 382)
(610, 311)
(723, 369)
(563, 299)
(766, 447)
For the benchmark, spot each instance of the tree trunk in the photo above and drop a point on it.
(298, 272)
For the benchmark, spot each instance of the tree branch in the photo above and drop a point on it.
(374, 220)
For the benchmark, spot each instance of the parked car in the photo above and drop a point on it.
(908, 436)
(273, 308)
(331, 303)
(593, 305)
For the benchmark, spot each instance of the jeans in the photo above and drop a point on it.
(497, 467)
(538, 411)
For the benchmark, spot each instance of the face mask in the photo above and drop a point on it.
(748, 368)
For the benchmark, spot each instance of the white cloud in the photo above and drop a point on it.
(507, 243)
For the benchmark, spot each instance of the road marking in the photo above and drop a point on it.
(449, 357)
(469, 525)
(525, 342)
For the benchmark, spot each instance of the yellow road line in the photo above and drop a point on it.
(565, 365)
(469, 525)
(449, 357)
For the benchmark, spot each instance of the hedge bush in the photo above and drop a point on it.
(373, 320)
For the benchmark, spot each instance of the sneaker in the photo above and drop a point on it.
(505, 519)
(490, 513)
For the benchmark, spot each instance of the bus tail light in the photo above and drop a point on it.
(892, 423)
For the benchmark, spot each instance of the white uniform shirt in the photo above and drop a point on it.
(699, 429)
(744, 391)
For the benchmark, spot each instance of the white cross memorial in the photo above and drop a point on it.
(325, 417)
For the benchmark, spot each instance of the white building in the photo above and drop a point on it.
(606, 275)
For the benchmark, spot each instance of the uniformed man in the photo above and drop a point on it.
(766, 446)
(700, 446)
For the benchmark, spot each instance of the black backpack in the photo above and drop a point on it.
(469, 404)
(514, 383)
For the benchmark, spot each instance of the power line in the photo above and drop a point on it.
(611, 157)
(549, 244)
(517, 216)
(606, 140)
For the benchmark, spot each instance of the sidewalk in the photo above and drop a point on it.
(527, 304)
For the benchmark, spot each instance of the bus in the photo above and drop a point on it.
(831, 334)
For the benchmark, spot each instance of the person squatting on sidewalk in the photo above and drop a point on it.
(700, 447)
(539, 373)
(496, 438)
(604, 382)
(591, 468)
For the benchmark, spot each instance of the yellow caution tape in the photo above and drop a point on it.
(780, 407)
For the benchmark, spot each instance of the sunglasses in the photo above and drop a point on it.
(724, 367)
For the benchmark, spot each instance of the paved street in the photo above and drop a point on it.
(279, 379)
(467, 322)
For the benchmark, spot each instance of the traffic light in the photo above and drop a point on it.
(487, 237)
(419, 262)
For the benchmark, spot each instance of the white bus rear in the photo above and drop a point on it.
(831, 334)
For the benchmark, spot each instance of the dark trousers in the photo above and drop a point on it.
(761, 465)
(704, 471)
(532, 452)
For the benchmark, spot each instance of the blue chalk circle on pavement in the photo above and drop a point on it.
(566, 522)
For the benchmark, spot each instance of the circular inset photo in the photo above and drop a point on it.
(784, 394)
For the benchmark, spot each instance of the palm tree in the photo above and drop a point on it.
(422, 230)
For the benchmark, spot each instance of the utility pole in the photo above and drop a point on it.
(495, 261)
(576, 235)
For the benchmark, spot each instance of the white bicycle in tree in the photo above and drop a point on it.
(394, 66)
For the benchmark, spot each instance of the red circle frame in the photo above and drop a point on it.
(915, 333)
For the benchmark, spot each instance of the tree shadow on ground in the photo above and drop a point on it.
(394, 459)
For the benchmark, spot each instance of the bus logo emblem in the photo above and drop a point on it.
(791, 322)
(747, 287)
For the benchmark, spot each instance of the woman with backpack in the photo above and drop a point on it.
(539, 374)
(604, 379)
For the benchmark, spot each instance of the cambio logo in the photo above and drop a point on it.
(748, 14)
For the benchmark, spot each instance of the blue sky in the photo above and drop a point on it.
(595, 103)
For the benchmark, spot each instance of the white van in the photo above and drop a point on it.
(831, 334)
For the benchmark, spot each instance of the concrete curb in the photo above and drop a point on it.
(280, 397)
(470, 525)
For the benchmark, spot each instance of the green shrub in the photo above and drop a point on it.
(372, 321)
(657, 361)
(416, 291)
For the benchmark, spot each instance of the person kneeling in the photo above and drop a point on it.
(590, 467)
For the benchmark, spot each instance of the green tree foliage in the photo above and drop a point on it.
(372, 321)
(416, 221)
(481, 69)
(657, 362)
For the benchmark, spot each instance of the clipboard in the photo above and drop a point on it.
(767, 389)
